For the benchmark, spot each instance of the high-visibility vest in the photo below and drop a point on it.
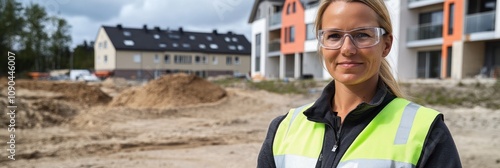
(394, 138)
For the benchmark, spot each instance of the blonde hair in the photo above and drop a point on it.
(384, 20)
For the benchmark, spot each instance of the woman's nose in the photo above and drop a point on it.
(348, 48)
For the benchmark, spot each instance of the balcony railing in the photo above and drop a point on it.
(425, 31)
(274, 46)
(421, 3)
(480, 22)
(275, 19)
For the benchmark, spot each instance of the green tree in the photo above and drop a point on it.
(83, 56)
(11, 23)
(34, 38)
(59, 42)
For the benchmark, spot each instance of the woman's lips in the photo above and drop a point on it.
(349, 64)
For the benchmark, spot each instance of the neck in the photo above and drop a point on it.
(347, 97)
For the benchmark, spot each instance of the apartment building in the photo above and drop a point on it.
(433, 39)
(147, 53)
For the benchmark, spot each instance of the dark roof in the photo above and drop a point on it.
(156, 39)
(256, 6)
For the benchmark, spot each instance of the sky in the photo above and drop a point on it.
(86, 16)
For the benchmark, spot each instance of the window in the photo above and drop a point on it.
(105, 44)
(175, 45)
(430, 25)
(204, 59)
(227, 39)
(192, 37)
(310, 32)
(292, 34)
(214, 46)
(186, 45)
(166, 58)
(209, 38)
(257, 52)
(293, 7)
(215, 60)
(286, 34)
(231, 47)
(202, 46)
(197, 59)
(156, 36)
(236, 60)
(127, 33)
(157, 59)
(162, 45)
(128, 42)
(240, 47)
(105, 59)
(235, 39)
(229, 60)
(174, 36)
(100, 45)
(451, 17)
(429, 64)
(448, 61)
(288, 10)
(183, 59)
(137, 58)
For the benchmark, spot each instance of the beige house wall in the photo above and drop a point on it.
(473, 58)
(104, 48)
(215, 62)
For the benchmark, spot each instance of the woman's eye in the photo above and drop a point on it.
(362, 35)
(334, 36)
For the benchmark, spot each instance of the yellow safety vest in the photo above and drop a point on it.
(394, 138)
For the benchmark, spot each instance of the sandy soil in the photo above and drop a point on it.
(224, 133)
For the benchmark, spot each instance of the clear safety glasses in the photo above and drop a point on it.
(361, 37)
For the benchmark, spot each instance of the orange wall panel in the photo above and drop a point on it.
(295, 19)
(458, 29)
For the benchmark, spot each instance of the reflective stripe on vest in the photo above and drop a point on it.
(394, 138)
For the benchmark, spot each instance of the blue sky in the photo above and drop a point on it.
(86, 16)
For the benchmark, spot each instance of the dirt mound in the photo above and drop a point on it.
(39, 113)
(170, 91)
(74, 92)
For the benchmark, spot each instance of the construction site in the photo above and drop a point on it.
(182, 120)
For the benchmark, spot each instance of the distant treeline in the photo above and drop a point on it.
(41, 42)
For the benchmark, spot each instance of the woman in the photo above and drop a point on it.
(361, 119)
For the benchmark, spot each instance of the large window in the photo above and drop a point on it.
(292, 34)
(183, 59)
(310, 31)
(429, 64)
(451, 17)
(257, 52)
(229, 60)
(137, 58)
(431, 25)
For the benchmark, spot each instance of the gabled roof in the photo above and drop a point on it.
(256, 6)
(156, 39)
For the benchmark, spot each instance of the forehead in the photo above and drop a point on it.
(348, 15)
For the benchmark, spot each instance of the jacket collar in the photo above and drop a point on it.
(319, 110)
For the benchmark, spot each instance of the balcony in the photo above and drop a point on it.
(275, 20)
(274, 48)
(425, 31)
(480, 22)
(421, 3)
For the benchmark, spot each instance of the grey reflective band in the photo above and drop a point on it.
(295, 113)
(406, 123)
(374, 163)
(294, 161)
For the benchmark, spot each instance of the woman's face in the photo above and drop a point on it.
(348, 64)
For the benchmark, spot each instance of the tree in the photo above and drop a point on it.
(59, 42)
(83, 56)
(11, 23)
(34, 37)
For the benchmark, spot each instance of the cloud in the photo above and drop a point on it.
(86, 16)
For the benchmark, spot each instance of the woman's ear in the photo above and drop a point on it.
(387, 40)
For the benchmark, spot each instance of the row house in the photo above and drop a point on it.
(147, 53)
(432, 39)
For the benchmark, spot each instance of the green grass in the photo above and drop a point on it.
(275, 86)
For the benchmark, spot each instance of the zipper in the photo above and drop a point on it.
(337, 134)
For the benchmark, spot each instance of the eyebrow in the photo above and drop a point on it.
(358, 28)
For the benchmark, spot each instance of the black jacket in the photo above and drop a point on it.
(439, 148)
